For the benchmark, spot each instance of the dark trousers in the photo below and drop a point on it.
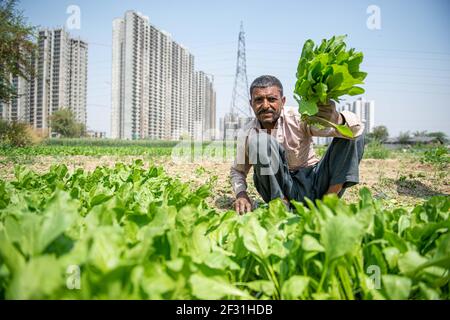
(272, 178)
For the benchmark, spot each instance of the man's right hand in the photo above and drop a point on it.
(243, 203)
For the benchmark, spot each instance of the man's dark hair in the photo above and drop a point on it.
(266, 81)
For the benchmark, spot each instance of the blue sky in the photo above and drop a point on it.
(408, 59)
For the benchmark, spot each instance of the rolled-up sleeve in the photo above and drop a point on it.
(241, 164)
(238, 176)
(351, 120)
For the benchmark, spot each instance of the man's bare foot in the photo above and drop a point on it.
(286, 203)
(336, 188)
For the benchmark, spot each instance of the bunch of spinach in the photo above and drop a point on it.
(325, 73)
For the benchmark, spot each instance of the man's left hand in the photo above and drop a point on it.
(329, 113)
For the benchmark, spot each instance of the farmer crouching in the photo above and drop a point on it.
(279, 146)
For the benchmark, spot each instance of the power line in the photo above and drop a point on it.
(217, 44)
(97, 105)
(407, 68)
(411, 83)
(407, 51)
(100, 44)
(362, 48)
(411, 91)
(410, 75)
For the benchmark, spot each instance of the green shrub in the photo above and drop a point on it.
(376, 150)
(437, 156)
(16, 134)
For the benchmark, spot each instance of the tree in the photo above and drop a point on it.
(404, 137)
(420, 133)
(439, 135)
(379, 133)
(63, 122)
(17, 47)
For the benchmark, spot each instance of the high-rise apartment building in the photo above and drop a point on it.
(141, 79)
(17, 109)
(153, 82)
(182, 105)
(78, 63)
(60, 81)
(365, 110)
(160, 84)
(130, 77)
(205, 107)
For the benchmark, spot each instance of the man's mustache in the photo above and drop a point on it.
(265, 111)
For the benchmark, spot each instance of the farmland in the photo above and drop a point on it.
(105, 221)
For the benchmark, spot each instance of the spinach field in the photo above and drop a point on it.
(134, 232)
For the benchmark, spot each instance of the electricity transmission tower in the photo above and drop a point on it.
(240, 98)
(240, 110)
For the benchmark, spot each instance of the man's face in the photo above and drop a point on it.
(267, 104)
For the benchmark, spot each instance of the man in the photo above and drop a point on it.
(279, 147)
